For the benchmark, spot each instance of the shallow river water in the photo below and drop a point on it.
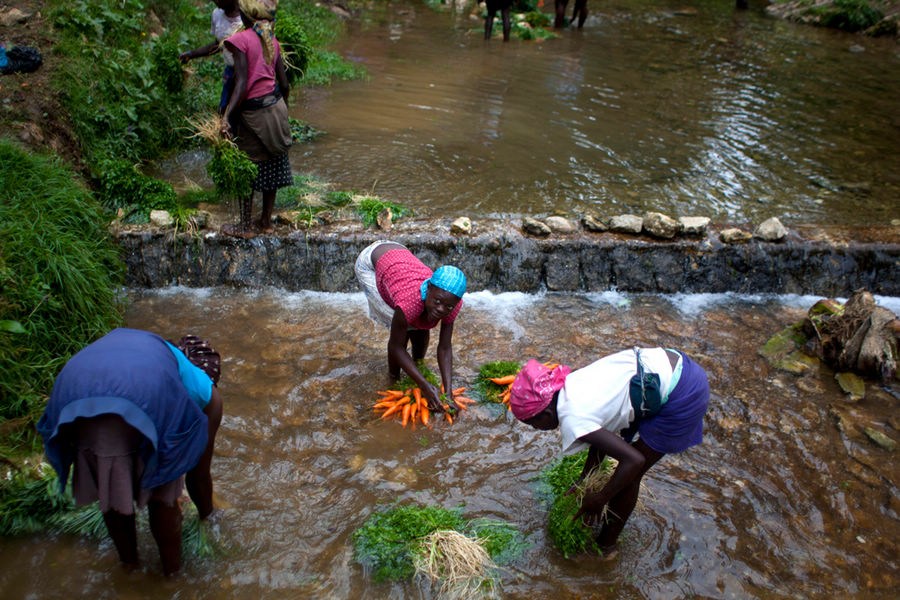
(688, 108)
(776, 503)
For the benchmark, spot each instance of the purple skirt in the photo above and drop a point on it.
(679, 424)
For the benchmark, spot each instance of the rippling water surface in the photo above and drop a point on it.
(777, 501)
(723, 113)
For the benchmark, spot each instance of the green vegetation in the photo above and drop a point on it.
(570, 536)
(312, 196)
(59, 272)
(31, 502)
(849, 15)
(389, 541)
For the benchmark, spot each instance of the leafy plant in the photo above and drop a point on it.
(295, 45)
(570, 536)
(122, 185)
(389, 541)
(369, 208)
(849, 15)
(232, 171)
(31, 502)
(385, 544)
(302, 132)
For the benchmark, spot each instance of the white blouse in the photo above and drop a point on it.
(596, 396)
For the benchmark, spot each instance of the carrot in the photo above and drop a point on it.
(413, 411)
(385, 404)
(458, 391)
(425, 414)
(463, 400)
(449, 418)
(406, 408)
(392, 410)
(417, 394)
(390, 394)
(506, 380)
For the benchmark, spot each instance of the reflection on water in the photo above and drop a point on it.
(728, 114)
(777, 502)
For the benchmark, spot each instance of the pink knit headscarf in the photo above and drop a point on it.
(533, 388)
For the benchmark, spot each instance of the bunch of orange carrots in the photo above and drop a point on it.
(505, 382)
(411, 407)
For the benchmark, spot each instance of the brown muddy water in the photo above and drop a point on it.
(776, 503)
(706, 111)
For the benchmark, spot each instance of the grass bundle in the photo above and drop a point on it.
(460, 557)
(230, 169)
(571, 536)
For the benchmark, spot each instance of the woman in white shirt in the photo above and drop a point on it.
(592, 408)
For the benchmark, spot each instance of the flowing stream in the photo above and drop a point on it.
(777, 501)
(715, 112)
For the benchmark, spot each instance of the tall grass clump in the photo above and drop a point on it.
(59, 276)
(320, 29)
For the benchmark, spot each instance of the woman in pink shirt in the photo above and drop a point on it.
(256, 116)
(410, 299)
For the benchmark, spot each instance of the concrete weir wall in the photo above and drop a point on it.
(507, 260)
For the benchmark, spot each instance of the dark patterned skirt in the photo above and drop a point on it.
(273, 174)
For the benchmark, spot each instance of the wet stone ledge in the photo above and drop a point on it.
(505, 259)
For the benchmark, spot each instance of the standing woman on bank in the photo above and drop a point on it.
(256, 116)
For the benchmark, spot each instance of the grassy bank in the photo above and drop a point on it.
(59, 274)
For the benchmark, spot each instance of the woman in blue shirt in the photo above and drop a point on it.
(135, 419)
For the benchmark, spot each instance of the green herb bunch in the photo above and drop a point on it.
(570, 536)
(389, 541)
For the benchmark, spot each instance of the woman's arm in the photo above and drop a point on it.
(445, 357)
(199, 479)
(240, 86)
(629, 469)
(399, 357)
(282, 80)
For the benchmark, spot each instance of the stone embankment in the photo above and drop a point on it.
(501, 256)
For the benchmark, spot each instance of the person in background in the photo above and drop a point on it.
(406, 296)
(579, 12)
(593, 409)
(256, 115)
(492, 7)
(135, 417)
(226, 21)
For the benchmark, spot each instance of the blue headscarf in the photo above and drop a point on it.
(448, 278)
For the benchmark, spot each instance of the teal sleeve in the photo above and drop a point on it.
(197, 382)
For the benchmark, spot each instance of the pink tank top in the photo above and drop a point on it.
(399, 276)
(260, 76)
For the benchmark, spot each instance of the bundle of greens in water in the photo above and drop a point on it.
(571, 536)
(461, 558)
